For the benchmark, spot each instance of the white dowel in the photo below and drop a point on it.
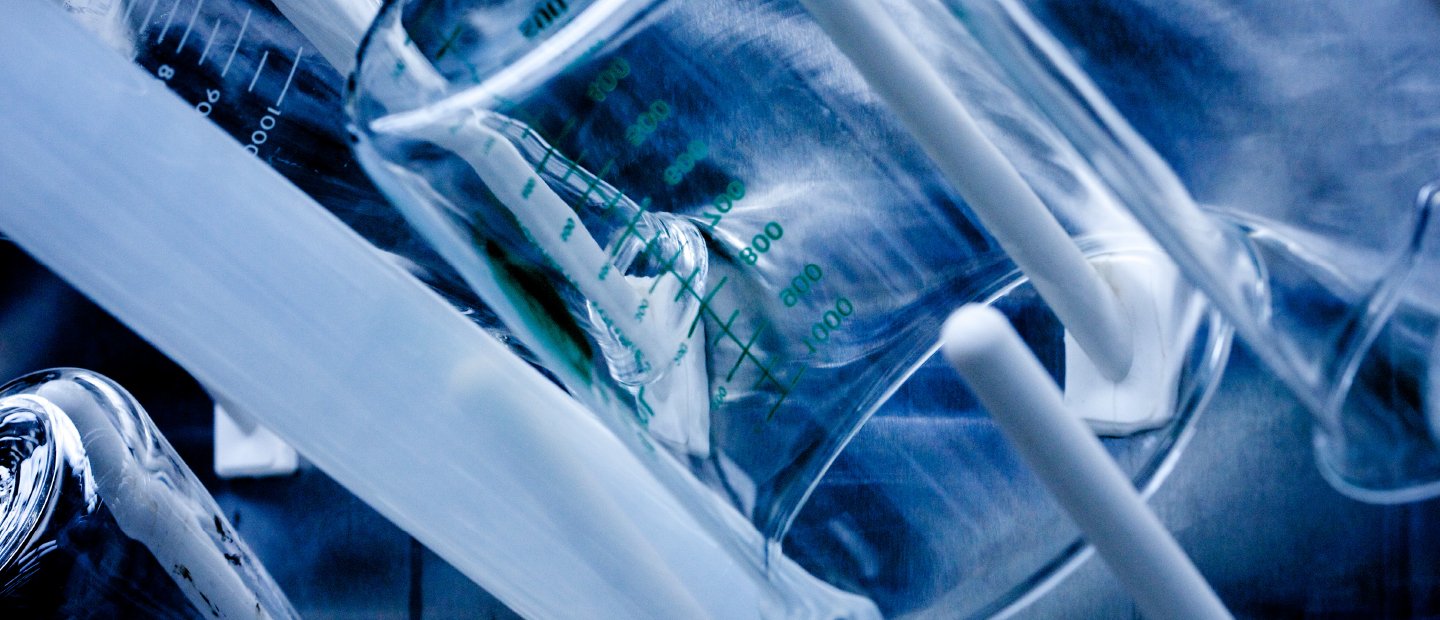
(1069, 460)
(1005, 204)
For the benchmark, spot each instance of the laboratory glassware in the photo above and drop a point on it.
(99, 518)
(1301, 136)
(245, 67)
(241, 65)
(1023, 400)
(279, 308)
(710, 229)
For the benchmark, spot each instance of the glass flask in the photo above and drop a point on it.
(711, 231)
(1294, 145)
(100, 519)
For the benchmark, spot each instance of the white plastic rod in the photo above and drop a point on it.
(1069, 460)
(155, 214)
(1005, 204)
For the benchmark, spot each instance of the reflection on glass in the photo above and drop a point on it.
(100, 519)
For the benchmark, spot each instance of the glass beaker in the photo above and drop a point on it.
(99, 518)
(705, 223)
(245, 68)
(1301, 136)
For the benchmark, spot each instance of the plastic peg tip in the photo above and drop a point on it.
(1027, 406)
(1006, 205)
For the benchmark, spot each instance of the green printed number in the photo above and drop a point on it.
(829, 323)
(761, 243)
(645, 124)
(609, 78)
(719, 398)
(724, 202)
(801, 285)
(685, 162)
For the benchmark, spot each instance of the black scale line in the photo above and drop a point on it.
(669, 266)
(704, 303)
(595, 181)
(784, 393)
(686, 284)
(574, 165)
(629, 230)
(705, 306)
(450, 40)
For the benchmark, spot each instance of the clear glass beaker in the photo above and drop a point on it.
(1297, 137)
(245, 68)
(99, 518)
(702, 220)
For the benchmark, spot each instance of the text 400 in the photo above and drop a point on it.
(828, 323)
(724, 202)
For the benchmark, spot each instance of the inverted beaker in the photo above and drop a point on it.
(701, 216)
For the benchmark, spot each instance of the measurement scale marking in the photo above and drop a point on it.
(145, 23)
(236, 47)
(645, 407)
(258, 68)
(725, 327)
(595, 180)
(570, 169)
(208, 42)
(629, 230)
(445, 49)
(549, 150)
(299, 53)
(652, 249)
(189, 25)
(549, 144)
(668, 267)
(766, 374)
(785, 393)
(705, 303)
(128, 8)
(614, 200)
(169, 19)
(474, 71)
(766, 371)
(745, 351)
(685, 281)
